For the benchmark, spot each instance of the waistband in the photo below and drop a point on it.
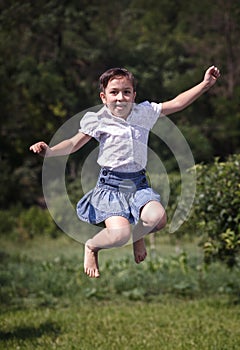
(123, 175)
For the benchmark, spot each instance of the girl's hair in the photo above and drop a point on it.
(112, 73)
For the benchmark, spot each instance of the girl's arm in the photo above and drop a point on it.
(187, 97)
(63, 148)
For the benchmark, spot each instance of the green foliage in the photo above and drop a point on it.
(216, 209)
(47, 301)
(24, 224)
(34, 222)
(32, 280)
(52, 53)
(7, 222)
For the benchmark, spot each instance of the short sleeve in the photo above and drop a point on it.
(157, 107)
(89, 125)
(147, 113)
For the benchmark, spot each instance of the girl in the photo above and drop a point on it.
(122, 195)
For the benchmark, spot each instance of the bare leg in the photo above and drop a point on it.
(116, 234)
(153, 218)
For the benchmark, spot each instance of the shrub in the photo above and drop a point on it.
(34, 222)
(7, 222)
(216, 209)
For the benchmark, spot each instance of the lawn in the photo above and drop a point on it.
(169, 302)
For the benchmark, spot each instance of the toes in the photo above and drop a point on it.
(97, 274)
(140, 258)
(92, 273)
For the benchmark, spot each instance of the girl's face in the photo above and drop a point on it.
(119, 96)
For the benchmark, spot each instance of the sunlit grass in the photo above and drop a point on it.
(169, 302)
(167, 324)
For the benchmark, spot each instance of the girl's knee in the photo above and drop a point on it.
(154, 215)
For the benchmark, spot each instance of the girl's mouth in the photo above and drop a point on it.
(121, 105)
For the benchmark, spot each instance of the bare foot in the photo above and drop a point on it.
(139, 250)
(91, 262)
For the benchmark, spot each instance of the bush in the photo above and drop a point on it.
(20, 223)
(216, 209)
(7, 222)
(34, 222)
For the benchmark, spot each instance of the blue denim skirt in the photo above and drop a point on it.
(116, 194)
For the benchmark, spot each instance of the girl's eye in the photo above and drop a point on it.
(115, 92)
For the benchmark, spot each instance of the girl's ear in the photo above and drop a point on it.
(103, 97)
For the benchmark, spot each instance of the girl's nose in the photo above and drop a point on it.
(120, 96)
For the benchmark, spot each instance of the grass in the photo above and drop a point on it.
(167, 324)
(169, 302)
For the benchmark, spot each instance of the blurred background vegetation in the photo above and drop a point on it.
(52, 54)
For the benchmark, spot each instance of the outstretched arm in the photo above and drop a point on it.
(184, 99)
(63, 148)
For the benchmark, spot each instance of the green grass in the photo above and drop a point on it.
(167, 324)
(169, 302)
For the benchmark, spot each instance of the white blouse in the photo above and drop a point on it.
(122, 143)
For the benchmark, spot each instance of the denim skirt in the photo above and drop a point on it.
(116, 194)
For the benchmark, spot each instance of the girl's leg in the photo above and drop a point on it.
(153, 218)
(116, 234)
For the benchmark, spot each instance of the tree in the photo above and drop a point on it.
(52, 53)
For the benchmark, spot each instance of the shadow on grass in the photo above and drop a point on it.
(23, 333)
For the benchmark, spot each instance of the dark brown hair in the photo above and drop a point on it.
(113, 73)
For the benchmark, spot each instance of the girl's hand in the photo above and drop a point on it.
(40, 148)
(211, 76)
